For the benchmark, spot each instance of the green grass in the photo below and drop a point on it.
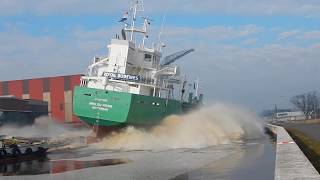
(309, 146)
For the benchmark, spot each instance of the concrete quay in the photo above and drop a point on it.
(291, 163)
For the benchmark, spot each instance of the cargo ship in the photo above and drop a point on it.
(20, 112)
(133, 84)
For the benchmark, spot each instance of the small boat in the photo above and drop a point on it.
(25, 151)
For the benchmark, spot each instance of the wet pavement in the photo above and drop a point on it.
(251, 160)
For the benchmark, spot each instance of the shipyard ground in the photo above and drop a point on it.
(231, 161)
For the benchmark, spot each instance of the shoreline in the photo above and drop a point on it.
(309, 146)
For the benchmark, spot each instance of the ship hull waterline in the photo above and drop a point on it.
(107, 111)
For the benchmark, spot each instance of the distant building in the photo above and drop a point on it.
(290, 116)
(57, 91)
(271, 114)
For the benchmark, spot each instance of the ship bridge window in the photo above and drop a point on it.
(156, 59)
(147, 57)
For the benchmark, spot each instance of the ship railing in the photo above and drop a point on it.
(141, 83)
(93, 68)
(84, 82)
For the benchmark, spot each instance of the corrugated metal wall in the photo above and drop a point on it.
(15, 88)
(0, 88)
(57, 91)
(36, 89)
(57, 97)
(75, 81)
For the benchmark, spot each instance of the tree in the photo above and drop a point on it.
(307, 102)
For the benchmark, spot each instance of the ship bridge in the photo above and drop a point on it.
(132, 67)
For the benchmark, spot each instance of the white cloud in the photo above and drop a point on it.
(289, 34)
(59, 7)
(36, 56)
(311, 35)
(308, 8)
(216, 33)
(254, 76)
(250, 41)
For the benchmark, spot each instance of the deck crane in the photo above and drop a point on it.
(173, 57)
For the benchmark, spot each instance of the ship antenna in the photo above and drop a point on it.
(133, 20)
(161, 30)
(136, 6)
(197, 86)
(146, 23)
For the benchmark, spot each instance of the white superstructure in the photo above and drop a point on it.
(290, 116)
(131, 67)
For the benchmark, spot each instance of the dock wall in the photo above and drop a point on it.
(291, 163)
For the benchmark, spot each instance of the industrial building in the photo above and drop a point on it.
(57, 91)
(290, 116)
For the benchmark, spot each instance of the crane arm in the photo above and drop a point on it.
(173, 57)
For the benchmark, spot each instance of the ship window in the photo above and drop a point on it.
(133, 85)
(147, 57)
(155, 59)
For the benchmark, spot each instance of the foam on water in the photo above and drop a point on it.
(43, 127)
(216, 124)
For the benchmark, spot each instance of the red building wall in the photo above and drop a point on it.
(1, 88)
(75, 81)
(57, 97)
(15, 88)
(36, 89)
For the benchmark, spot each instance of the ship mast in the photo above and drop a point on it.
(137, 6)
(133, 20)
(197, 86)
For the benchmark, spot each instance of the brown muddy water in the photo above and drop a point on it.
(47, 166)
(229, 161)
(216, 142)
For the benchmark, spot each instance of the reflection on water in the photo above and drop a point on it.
(255, 158)
(39, 166)
(240, 160)
(46, 166)
(60, 166)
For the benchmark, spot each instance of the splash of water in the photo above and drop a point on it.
(43, 127)
(217, 124)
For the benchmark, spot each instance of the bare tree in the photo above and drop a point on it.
(307, 103)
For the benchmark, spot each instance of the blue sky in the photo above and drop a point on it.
(253, 53)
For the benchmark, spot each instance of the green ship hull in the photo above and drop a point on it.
(110, 108)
